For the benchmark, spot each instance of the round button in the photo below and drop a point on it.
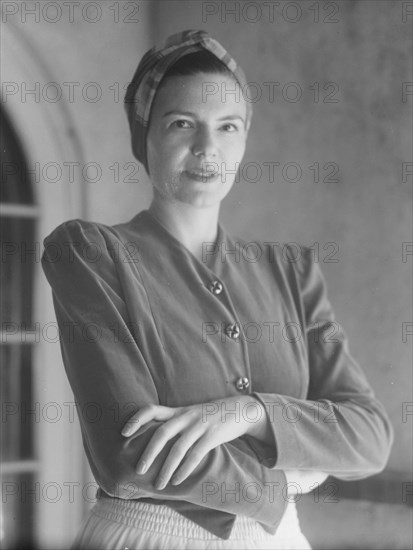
(216, 287)
(242, 383)
(232, 331)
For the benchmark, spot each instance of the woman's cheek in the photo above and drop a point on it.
(237, 153)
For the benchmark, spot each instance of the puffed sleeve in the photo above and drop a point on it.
(341, 428)
(106, 369)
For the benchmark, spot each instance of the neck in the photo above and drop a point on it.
(191, 226)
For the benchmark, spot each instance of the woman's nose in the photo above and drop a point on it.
(204, 144)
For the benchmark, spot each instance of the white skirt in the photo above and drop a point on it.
(116, 524)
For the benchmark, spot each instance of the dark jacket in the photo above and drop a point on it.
(142, 321)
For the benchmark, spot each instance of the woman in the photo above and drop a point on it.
(198, 433)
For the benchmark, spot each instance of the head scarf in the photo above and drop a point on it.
(151, 69)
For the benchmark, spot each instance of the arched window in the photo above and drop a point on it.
(19, 256)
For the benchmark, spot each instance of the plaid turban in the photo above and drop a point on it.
(141, 91)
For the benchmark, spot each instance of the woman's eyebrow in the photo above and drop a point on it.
(189, 113)
(232, 117)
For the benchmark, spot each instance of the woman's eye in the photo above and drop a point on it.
(230, 127)
(181, 124)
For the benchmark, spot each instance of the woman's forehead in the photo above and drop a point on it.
(200, 92)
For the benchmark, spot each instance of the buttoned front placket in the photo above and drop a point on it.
(231, 327)
(203, 281)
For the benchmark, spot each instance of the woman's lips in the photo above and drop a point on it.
(199, 175)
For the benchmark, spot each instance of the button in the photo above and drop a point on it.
(232, 331)
(216, 287)
(242, 383)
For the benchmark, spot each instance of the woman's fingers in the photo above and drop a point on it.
(196, 439)
(194, 457)
(145, 415)
(177, 453)
(159, 439)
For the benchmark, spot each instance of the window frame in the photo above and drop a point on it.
(57, 445)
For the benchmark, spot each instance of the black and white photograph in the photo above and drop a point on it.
(206, 274)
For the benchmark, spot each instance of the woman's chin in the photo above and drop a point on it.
(200, 198)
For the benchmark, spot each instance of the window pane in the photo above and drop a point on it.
(20, 254)
(15, 185)
(19, 497)
(19, 413)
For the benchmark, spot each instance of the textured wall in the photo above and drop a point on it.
(366, 208)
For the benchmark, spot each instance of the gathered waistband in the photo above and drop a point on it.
(162, 519)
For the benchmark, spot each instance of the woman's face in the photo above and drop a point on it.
(196, 139)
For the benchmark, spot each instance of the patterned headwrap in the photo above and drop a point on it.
(151, 69)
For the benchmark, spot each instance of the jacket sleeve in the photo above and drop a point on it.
(111, 380)
(340, 428)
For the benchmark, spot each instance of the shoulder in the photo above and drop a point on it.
(77, 242)
(82, 235)
(78, 229)
(79, 260)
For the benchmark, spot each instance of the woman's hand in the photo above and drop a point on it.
(202, 427)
